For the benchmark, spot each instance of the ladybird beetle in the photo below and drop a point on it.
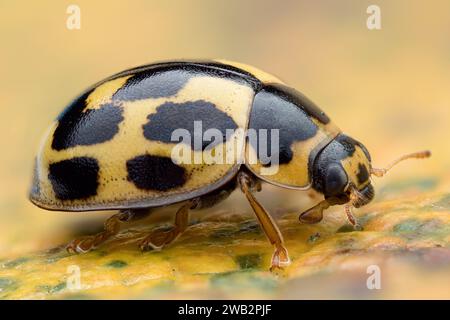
(112, 148)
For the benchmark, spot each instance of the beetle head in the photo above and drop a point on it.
(341, 172)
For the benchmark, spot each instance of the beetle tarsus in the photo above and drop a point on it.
(111, 226)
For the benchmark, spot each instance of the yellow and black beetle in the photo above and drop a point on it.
(112, 148)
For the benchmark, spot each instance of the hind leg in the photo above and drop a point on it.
(111, 228)
(160, 238)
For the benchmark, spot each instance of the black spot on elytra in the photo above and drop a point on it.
(224, 70)
(189, 68)
(77, 126)
(151, 81)
(75, 178)
(274, 111)
(155, 173)
(150, 84)
(172, 116)
(168, 78)
(363, 174)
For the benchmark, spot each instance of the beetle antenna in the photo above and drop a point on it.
(379, 172)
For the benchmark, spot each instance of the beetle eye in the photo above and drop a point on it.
(335, 180)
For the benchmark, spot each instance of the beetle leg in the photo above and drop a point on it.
(111, 228)
(351, 218)
(160, 238)
(314, 214)
(280, 257)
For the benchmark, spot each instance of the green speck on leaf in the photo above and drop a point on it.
(16, 262)
(166, 286)
(314, 237)
(117, 264)
(346, 228)
(52, 289)
(249, 261)
(245, 279)
(60, 286)
(77, 296)
(409, 225)
(101, 253)
(250, 226)
(442, 204)
(7, 284)
(223, 233)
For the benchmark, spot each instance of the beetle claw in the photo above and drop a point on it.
(157, 240)
(149, 246)
(280, 258)
(81, 245)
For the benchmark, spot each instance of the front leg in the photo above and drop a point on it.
(280, 257)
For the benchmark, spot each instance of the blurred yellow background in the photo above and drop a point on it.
(388, 88)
